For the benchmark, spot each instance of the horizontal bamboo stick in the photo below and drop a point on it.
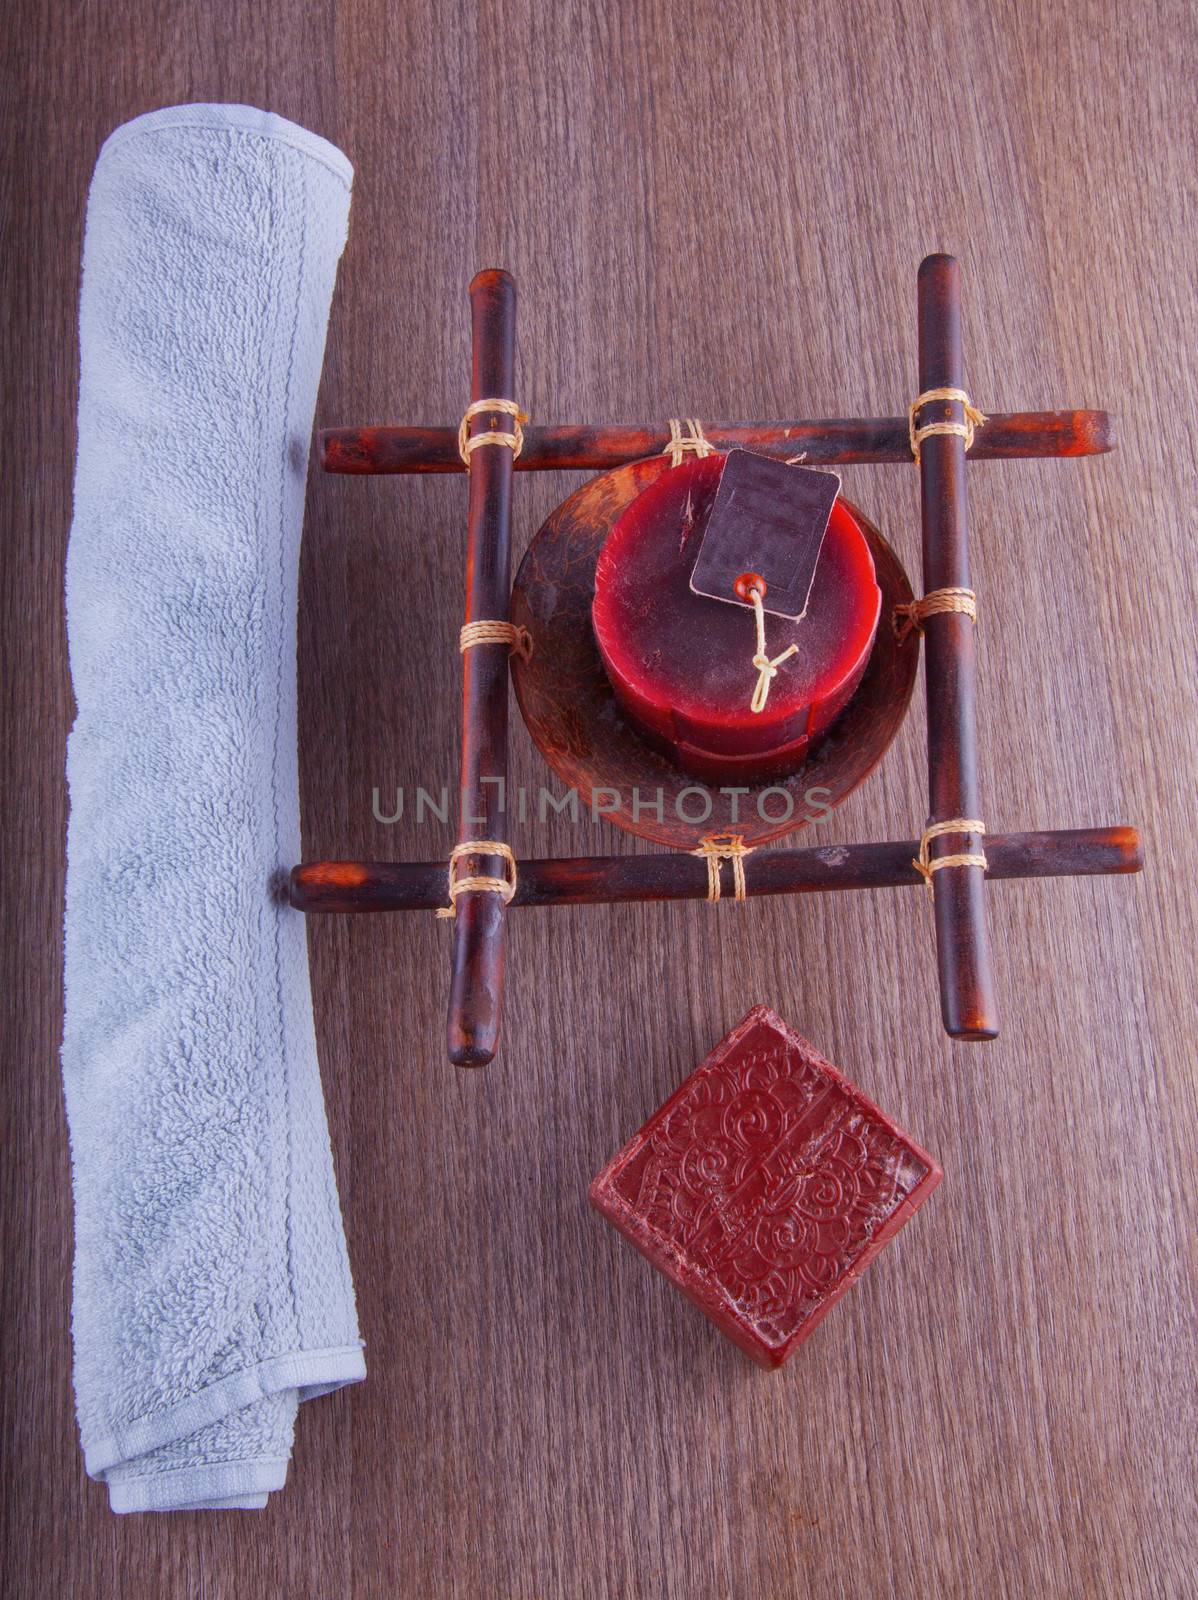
(826, 441)
(674, 875)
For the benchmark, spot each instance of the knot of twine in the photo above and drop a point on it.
(926, 865)
(973, 418)
(475, 885)
(910, 617)
(693, 439)
(718, 847)
(517, 639)
(767, 670)
(514, 440)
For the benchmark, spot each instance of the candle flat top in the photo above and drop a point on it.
(764, 1186)
(670, 645)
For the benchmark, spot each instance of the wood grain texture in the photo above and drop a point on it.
(709, 211)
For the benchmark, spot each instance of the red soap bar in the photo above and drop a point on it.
(681, 663)
(765, 1186)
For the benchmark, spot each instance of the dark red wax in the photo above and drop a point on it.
(764, 1186)
(681, 663)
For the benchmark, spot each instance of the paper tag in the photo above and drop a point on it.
(769, 521)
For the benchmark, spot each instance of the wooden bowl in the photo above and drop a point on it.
(571, 711)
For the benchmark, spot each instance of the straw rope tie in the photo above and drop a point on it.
(517, 639)
(718, 847)
(693, 439)
(974, 419)
(479, 884)
(767, 670)
(925, 864)
(468, 443)
(910, 617)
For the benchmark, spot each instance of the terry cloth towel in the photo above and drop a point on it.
(212, 1288)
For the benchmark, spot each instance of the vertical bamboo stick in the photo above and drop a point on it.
(963, 955)
(476, 987)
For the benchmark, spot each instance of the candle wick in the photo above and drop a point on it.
(767, 670)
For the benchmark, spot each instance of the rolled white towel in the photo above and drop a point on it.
(212, 1285)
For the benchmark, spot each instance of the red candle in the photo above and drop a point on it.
(765, 1186)
(681, 664)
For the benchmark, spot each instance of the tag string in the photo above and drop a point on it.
(767, 670)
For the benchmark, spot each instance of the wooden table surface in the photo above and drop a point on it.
(710, 211)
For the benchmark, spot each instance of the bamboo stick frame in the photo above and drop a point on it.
(966, 984)
(365, 886)
(827, 441)
(476, 984)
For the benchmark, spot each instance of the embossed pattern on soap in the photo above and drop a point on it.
(765, 1186)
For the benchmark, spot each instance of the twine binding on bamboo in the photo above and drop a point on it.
(910, 617)
(767, 670)
(479, 884)
(493, 632)
(974, 419)
(926, 864)
(718, 847)
(468, 443)
(693, 439)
